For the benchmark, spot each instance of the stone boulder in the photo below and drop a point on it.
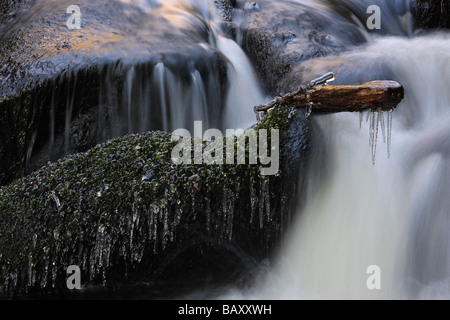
(62, 90)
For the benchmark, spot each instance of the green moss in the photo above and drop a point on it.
(114, 202)
(278, 118)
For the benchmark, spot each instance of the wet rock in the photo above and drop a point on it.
(10, 8)
(280, 35)
(226, 7)
(189, 224)
(63, 91)
(432, 14)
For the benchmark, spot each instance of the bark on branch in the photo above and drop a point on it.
(374, 95)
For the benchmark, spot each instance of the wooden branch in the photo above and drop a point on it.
(375, 95)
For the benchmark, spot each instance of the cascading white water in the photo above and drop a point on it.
(394, 214)
(180, 103)
(244, 91)
(159, 74)
(174, 89)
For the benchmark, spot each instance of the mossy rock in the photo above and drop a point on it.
(124, 213)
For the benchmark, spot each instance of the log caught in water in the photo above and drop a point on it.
(375, 95)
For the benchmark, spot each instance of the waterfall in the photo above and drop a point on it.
(212, 81)
(384, 208)
(243, 89)
(244, 86)
(394, 214)
(371, 211)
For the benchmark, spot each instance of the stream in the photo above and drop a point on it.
(375, 217)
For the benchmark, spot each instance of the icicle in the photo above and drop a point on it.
(375, 138)
(30, 270)
(132, 227)
(267, 200)
(252, 199)
(161, 219)
(154, 225)
(99, 247)
(172, 232)
(177, 218)
(194, 212)
(208, 214)
(383, 127)
(261, 205)
(230, 216)
(170, 224)
(361, 117)
(228, 208)
(107, 251)
(224, 211)
(54, 273)
(376, 121)
(166, 227)
(150, 224)
(389, 133)
(45, 273)
(371, 129)
(155, 235)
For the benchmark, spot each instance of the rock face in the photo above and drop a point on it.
(226, 7)
(280, 35)
(126, 214)
(62, 91)
(121, 210)
(432, 14)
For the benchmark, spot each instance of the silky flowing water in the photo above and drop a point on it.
(384, 201)
(378, 184)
